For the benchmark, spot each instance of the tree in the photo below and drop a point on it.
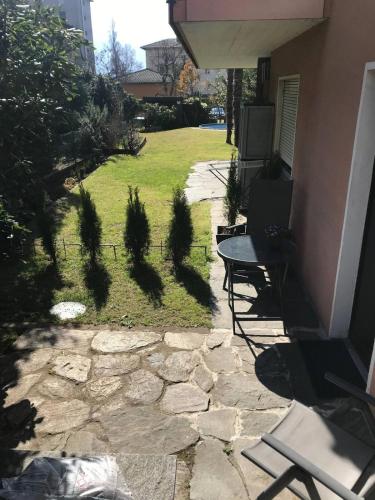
(188, 79)
(249, 84)
(39, 81)
(219, 94)
(89, 225)
(117, 59)
(232, 198)
(229, 105)
(237, 98)
(180, 237)
(107, 93)
(170, 59)
(137, 229)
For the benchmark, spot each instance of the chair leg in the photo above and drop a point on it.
(225, 278)
(280, 483)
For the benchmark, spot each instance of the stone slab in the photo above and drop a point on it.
(72, 366)
(149, 476)
(256, 423)
(215, 339)
(214, 477)
(20, 388)
(181, 398)
(33, 361)
(83, 441)
(184, 340)
(222, 360)
(108, 365)
(178, 366)
(246, 392)
(218, 423)
(56, 337)
(144, 387)
(57, 388)
(103, 387)
(203, 378)
(119, 341)
(144, 429)
(57, 417)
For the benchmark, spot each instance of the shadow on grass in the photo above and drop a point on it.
(27, 291)
(195, 285)
(148, 279)
(97, 281)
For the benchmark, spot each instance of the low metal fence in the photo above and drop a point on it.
(65, 244)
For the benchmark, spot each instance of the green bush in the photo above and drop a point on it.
(159, 117)
(137, 229)
(89, 225)
(195, 112)
(12, 234)
(232, 198)
(131, 106)
(180, 237)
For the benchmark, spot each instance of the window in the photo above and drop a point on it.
(288, 96)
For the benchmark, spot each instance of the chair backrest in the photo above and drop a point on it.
(269, 203)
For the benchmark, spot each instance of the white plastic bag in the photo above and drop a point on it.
(50, 478)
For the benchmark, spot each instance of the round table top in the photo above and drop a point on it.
(249, 250)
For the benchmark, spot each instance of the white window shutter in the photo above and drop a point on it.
(288, 119)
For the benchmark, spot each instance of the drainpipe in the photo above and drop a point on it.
(263, 80)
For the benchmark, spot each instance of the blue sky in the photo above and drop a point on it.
(138, 22)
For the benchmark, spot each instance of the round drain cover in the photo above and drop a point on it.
(68, 310)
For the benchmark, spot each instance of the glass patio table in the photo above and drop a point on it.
(246, 252)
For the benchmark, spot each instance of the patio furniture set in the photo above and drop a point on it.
(304, 452)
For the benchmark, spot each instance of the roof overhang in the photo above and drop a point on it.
(234, 34)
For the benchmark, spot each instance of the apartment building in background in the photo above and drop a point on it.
(77, 14)
(167, 57)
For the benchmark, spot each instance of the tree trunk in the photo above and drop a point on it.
(237, 98)
(229, 105)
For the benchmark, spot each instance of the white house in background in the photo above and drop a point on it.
(77, 14)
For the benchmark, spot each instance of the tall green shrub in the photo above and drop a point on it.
(232, 200)
(137, 228)
(90, 226)
(180, 237)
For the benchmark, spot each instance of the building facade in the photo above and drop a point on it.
(77, 14)
(167, 57)
(323, 88)
(146, 83)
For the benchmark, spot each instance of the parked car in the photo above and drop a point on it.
(217, 113)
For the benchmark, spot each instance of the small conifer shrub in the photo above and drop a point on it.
(137, 228)
(181, 233)
(89, 225)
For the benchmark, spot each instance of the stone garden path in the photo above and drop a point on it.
(202, 397)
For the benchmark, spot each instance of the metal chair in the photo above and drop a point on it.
(314, 458)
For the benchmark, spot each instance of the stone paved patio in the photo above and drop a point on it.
(196, 395)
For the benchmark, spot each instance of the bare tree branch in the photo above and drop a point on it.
(117, 59)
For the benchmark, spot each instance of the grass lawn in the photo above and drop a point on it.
(115, 293)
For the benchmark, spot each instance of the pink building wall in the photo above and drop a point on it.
(330, 60)
(207, 10)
